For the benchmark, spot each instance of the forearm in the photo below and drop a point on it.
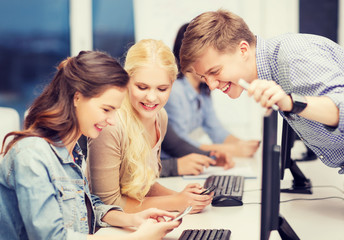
(158, 197)
(111, 237)
(231, 139)
(118, 218)
(321, 109)
(211, 147)
(168, 203)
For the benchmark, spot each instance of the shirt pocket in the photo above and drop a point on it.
(67, 198)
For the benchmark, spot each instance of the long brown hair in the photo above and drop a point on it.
(52, 115)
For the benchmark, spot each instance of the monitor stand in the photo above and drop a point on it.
(301, 184)
(285, 230)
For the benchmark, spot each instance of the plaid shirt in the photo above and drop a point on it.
(308, 65)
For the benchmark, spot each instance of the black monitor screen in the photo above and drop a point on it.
(271, 218)
(270, 177)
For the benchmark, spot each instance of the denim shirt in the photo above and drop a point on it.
(188, 110)
(43, 193)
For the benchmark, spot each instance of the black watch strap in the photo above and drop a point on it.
(299, 103)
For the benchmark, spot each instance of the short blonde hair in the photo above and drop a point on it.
(220, 29)
(144, 53)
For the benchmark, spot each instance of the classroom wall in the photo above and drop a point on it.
(341, 22)
(267, 18)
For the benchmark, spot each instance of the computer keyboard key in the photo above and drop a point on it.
(229, 190)
(205, 234)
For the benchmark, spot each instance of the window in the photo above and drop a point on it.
(34, 38)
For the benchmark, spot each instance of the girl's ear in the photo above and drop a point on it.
(76, 98)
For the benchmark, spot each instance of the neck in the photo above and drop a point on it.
(148, 123)
(71, 146)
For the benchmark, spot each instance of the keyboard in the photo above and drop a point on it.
(205, 234)
(229, 190)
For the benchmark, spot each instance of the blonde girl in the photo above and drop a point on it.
(124, 161)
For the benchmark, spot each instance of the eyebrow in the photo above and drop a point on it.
(110, 106)
(211, 69)
(147, 85)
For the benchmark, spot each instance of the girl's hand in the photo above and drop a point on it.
(190, 196)
(152, 213)
(151, 229)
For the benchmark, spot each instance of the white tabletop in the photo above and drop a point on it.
(310, 219)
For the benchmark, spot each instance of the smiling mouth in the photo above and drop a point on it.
(226, 87)
(98, 127)
(149, 106)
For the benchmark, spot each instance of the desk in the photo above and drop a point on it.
(320, 219)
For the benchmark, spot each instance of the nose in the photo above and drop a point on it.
(151, 96)
(111, 119)
(212, 83)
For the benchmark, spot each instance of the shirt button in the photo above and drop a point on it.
(321, 156)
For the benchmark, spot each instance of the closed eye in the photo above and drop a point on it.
(216, 72)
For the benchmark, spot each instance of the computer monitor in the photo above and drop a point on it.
(300, 184)
(270, 217)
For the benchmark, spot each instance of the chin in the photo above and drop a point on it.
(234, 95)
(92, 135)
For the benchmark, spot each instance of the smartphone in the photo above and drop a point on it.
(182, 214)
(208, 190)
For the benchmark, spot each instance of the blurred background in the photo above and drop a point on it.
(36, 35)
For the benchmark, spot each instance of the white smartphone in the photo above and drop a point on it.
(182, 214)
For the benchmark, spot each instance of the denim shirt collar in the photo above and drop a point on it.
(64, 156)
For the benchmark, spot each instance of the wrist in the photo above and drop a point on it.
(299, 103)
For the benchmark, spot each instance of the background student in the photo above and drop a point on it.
(186, 159)
(190, 107)
(43, 191)
(124, 162)
(302, 74)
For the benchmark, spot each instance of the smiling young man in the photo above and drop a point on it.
(302, 74)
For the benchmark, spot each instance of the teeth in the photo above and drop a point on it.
(225, 88)
(149, 105)
(98, 126)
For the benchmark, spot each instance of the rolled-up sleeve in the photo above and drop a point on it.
(101, 210)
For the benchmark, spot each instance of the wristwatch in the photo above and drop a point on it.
(299, 103)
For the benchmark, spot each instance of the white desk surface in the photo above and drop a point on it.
(317, 219)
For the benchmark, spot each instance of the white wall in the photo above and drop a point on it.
(161, 19)
(341, 23)
(80, 20)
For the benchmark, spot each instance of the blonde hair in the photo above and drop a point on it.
(219, 29)
(144, 53)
